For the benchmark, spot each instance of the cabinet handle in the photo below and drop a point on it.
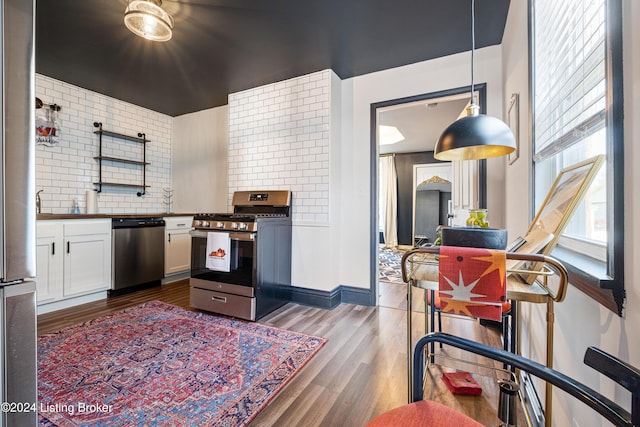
(180, 225)
(68, 247)
(169, 237)
(53, 248)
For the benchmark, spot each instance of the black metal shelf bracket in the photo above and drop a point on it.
(144, 165)
(99, 126)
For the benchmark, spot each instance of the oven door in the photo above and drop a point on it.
(242, 260)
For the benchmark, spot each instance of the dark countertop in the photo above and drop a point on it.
(45, 216)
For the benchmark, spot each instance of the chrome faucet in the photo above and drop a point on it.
(38, 202)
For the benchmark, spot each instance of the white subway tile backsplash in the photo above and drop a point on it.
(279, 138)
(68, 169)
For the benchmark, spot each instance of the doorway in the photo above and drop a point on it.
(415, 124)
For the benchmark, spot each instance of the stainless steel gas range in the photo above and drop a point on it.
(241, 262)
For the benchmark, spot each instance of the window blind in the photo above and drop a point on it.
(569, 66)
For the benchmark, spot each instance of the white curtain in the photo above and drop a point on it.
(388, 201)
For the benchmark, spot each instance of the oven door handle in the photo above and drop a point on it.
(245, 237)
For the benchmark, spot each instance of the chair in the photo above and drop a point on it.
(489, 238)
(435, 307)
(433, 300)
(466, 238)
(423, 413)
(427, 413)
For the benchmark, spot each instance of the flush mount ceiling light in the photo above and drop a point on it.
(476, 136)
(147, 19)
(390, 135)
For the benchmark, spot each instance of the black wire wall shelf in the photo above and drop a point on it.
(141, 138)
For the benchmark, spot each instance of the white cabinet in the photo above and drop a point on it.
(73, 261)
(48, 261)
(177, 245)
(87, 257)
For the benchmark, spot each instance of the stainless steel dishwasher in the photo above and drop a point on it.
(138, 253)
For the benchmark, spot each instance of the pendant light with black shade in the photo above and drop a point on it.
(475, 136)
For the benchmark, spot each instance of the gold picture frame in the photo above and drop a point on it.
(556, 211)
(563, 199)
(513, 121)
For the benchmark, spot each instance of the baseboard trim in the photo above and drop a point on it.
(175, 277)
(358, 296)
(315, 297)
(330, 299)
(70, 302)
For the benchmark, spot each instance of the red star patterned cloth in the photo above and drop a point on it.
(472, 281)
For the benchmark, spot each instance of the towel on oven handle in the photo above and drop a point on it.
(218, 251)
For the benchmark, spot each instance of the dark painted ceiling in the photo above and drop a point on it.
(225, 46)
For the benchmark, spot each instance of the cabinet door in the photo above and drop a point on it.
(177, 251)
(87, 257)
(48, 262)
(465, 190)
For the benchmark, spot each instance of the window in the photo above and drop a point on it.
(576, 70)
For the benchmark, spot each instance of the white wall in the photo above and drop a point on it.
(67, 170)
(282, 136)
(279, 138)
(199, 161)
(515, 69)
(316, 249)
(580, 321)
(358, 95)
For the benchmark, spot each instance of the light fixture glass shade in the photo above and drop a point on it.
(147, 19)
(475, 137)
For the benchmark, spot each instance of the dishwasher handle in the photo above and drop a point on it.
(136, 222)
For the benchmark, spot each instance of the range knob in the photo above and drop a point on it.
(243, 226)
(219, 224)
(234, 225)
(205, 223)
(196, 223)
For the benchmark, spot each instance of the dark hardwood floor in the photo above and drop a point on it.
(357, 375)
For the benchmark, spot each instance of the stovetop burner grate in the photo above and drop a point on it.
(248, 207)
(236, 216)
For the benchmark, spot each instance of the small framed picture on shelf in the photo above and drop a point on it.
(513, 120)
(564, 197)
(562, 201)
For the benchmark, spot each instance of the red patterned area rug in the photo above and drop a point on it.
(161, 365)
